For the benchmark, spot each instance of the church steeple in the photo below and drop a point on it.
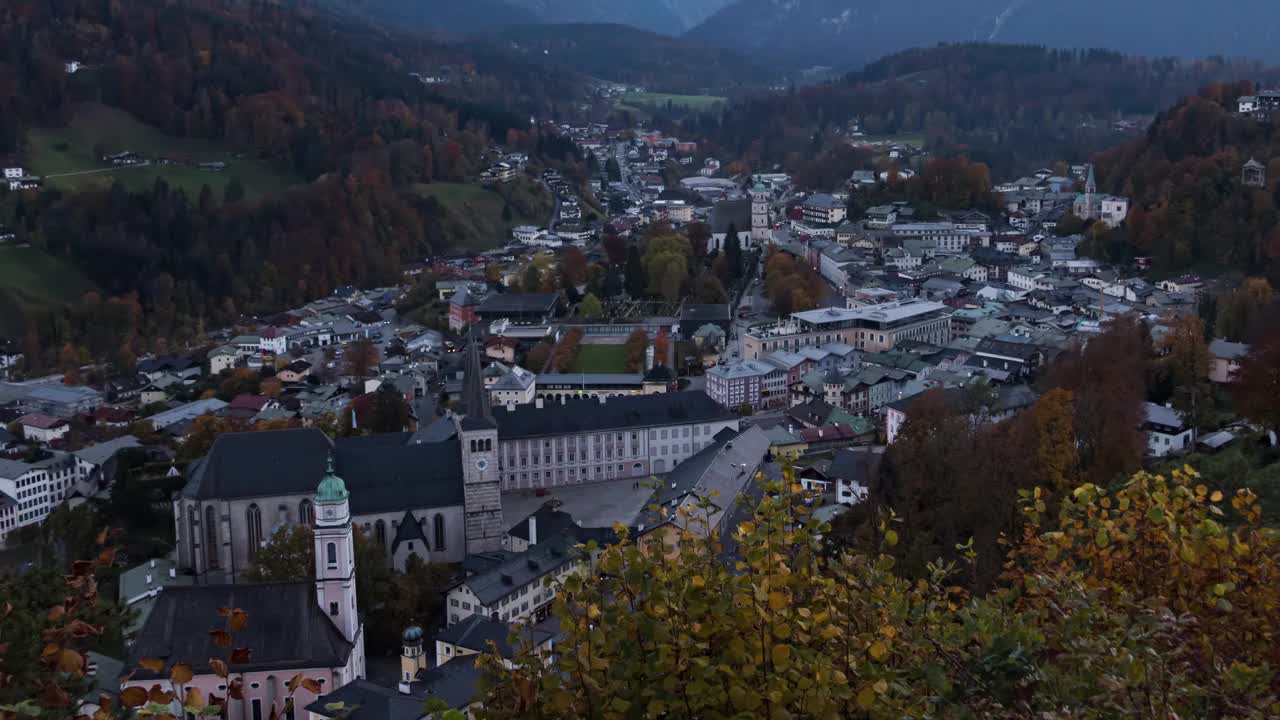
(474, 397)
(1091, 184)
(335, 561)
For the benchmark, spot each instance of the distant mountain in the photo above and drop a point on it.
(670, 17)
(624, 54)
(664, 16)
(852, 32)
(438, 15)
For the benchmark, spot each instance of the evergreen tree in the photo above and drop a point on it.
(733, 252)
(635, 276)
(234, 191)
(612, 282)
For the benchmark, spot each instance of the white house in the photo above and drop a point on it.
(1167, 431)
(43, 428)
(526, 233)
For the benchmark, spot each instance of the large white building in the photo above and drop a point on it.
(824, 209)
(869, 328)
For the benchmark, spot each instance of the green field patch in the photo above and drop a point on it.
(33, 277)
(470, 216)
(601, 359)
(70, 157)
(696, 103)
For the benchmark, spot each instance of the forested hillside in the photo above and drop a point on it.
(332, 103)
(626, 55)
(1011, 107)
(1191, 208)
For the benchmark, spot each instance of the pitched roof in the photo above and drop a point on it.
(516, 571)
(718, 473)
(102, 452)
(476, 632)
(286, 630)
(1227, 350)
(409, 529)
(586, 415)
(40, 421)
(364, 700)
(386, 472)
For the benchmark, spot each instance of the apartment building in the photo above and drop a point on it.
(590, 440)
(870, 328)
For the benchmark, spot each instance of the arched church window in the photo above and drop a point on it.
(439, 532)
(253, 519)
(306, 513)
(380, 533)
(331, 555)
(211, 537)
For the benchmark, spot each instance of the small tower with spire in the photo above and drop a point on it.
(335, 560)
(412, 658)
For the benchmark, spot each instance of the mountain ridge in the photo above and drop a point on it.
(852, 32)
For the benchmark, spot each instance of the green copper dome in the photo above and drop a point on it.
(412, 634)
(331, 489)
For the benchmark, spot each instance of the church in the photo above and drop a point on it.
(307, 627)
(447, 478)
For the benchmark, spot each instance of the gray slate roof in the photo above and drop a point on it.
(720, 472)
(384, 472)
(587, 415)
(286, 630)
(370, 702)
(476, 632)
(539, 561)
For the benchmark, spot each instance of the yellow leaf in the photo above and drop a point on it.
(699, 581)
(877, 650)
(777, 601)
(891, 537)
(593, 611)
(782, 656)
(888, 631)
(881, 687)
(867, 698)
(1216, 496)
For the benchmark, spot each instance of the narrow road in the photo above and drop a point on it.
(144, 163)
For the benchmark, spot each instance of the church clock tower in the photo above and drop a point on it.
(335, 562)
(481, 476)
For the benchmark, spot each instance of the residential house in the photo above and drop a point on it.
(294, 372)
(222, 359)
(43, 428)
(823, 209)
(755, 383)
(1167, 431)
(1226, 359)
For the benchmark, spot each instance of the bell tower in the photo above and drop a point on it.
(760, 232)
(335, 561)
(481, 477)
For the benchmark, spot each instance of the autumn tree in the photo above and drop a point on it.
(1257, 383)
(635, 347)
(710, 290)
(531, 279)
(590, 307)
(288, 555)
(1185, 363)
(1142, 602)
(666, 264)
(1107, 378)
(1239, 311)
(361, 358)
(537, 357)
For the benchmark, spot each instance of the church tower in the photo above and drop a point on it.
(481, 479)
(412, 659)
(760, 232)
(335, 562)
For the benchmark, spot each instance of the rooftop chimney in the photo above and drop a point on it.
(511, 406)
(153, 562)
(602, 399)
(173, 572)
(538, 403)
(148, 578)
(403, 687)
(533, 530)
